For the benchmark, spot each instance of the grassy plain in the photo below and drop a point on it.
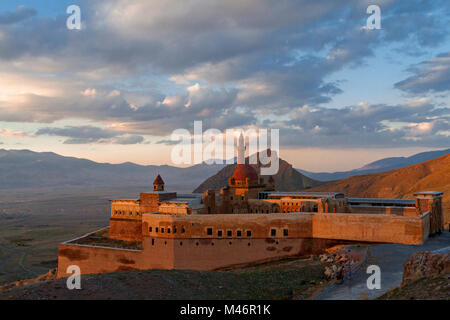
(34, 222)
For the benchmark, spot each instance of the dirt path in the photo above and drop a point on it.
(11, 253)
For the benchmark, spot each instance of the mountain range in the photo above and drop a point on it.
(28, 169)
(377, 166)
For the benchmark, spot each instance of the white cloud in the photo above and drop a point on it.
(8, 133)
(89, 92)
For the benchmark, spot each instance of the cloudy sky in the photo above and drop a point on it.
(341, 94)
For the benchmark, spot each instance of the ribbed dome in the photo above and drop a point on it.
(244, 171)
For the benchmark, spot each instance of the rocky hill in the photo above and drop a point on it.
(400, 183)
(287, 178)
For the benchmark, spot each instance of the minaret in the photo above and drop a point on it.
(241, 150)
(244, 174)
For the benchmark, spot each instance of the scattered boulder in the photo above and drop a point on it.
(339, 262)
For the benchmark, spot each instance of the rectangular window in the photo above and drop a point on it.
(149, 229)
(219, 233)
(162, 230)
(156, 229)
(249, 233)
(182, 229)
(168, 230)
(174, 229)
(239, 233)
(229, 233)
(285, 232)
(209, 231)
(273, 232)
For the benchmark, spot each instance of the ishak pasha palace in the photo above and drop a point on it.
(247, 221)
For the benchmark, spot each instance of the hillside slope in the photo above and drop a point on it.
(400, 183)
(287, 179)
(377, 166)
(284, 279)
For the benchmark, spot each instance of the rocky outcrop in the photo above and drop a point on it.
(425, 264)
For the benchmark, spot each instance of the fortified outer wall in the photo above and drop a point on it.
(194, 254)
(371, 228)
(97, 259)
(212, 254)
(338, 226)
(197, 226)
(197, 243)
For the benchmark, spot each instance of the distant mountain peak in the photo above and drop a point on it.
(287, 178)
(377, 166)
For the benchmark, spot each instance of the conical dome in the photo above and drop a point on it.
(158, 180)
